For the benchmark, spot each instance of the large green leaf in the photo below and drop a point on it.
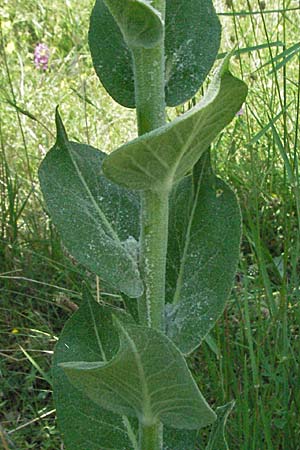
(90, 335)
(148, 378)
(203, 251)
(162, 157)
(139, 22)
(192, 39)
(98, 221)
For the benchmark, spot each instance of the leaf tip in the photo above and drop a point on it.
(225, 66)
(61, 134)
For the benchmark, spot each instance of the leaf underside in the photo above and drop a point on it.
(160, 158)
(192, 40)
(97, 220)
(203, 252)
(90, 335)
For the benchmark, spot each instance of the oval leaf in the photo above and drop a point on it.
(139, 22)
(203, 252)
(162, 157)
(192, 39)
(147, 378)
(98, 221)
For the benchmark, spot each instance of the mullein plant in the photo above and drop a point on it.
(153, 221)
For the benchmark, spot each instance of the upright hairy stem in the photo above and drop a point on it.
(149, 72)
(149, 77)
(154, 239)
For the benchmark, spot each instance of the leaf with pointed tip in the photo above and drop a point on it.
(158, 159)
(90, 335)
(192, 39)
(147, 378)
(203, 252)
(139, 22)
(98, 221)
(217, 439)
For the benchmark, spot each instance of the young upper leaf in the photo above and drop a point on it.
(82, 204)
(162, 157)
(139, 22)
(192, 40)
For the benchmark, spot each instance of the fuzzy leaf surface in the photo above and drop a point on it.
(148, 378)
(203, 252)
(193, 34)
(158, 159)
(111, 56)
(139, 22)
(192, 39)
(98, 221)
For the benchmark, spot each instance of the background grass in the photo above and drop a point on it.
(254, 356)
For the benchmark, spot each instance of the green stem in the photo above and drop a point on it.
(149, 79)
(149, 88)
(150, 437)
(154, 239)
(149, 76)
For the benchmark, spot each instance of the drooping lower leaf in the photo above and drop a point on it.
(139, 22)
(162, 157)
(147, 378)
(192, 39)
(98, 221)
(217, 439)
(203, 251)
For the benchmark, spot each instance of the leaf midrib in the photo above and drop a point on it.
(110, 230)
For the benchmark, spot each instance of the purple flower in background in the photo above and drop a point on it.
(41, 56)
(240, 112)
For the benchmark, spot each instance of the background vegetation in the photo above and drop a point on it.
(254, 352)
